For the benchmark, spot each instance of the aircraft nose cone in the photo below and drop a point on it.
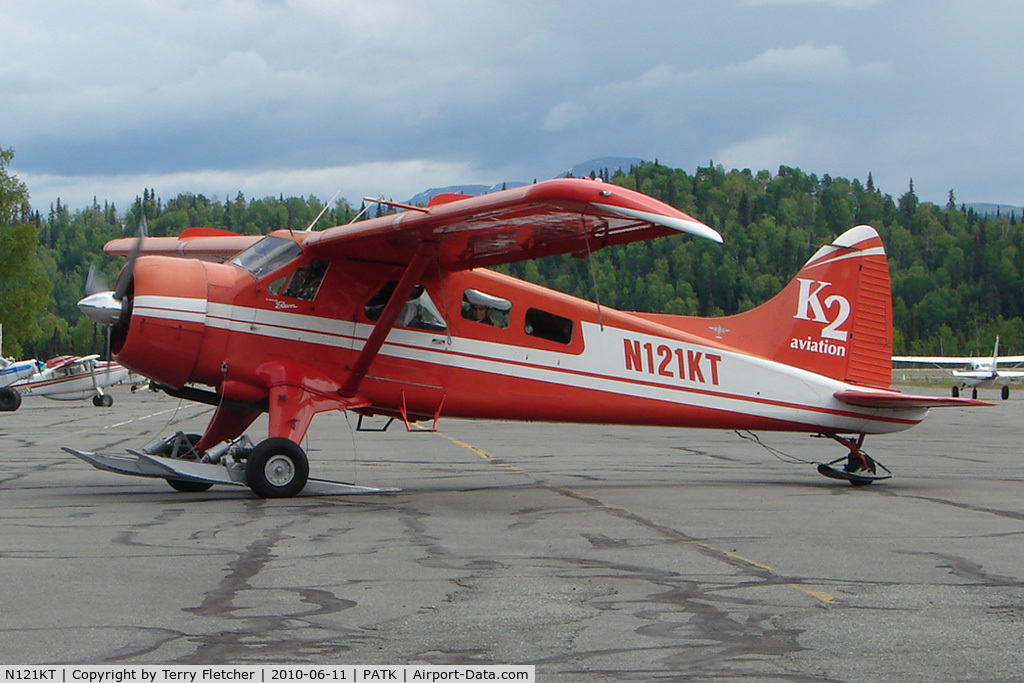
(101, 307)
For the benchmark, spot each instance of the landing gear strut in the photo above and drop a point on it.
(183, 447)
(860, 468)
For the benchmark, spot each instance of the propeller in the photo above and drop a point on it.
(102, 305)
(125, 281)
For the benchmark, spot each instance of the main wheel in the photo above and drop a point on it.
(184, 485)
(103, 400)
(276, 468)
(10, 400)
(1005, 392)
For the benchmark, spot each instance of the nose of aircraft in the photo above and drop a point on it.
(101, 307)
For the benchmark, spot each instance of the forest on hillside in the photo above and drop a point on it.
(957, 277)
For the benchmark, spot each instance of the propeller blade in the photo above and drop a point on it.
(127, 273)
(94, 282)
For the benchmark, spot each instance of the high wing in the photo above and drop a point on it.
(560, 216)
(954, 360)
(67, 361)
(567, 215)
(983, 374)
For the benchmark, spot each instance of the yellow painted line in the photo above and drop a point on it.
(487, 456)
(747, 561)
(820, 596)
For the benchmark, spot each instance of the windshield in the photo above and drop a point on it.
(267, 255)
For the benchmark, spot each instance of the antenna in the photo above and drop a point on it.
(323, 210)
(397, 205)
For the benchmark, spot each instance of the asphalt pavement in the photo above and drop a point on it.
(597, 553)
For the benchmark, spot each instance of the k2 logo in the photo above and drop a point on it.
(810, 307)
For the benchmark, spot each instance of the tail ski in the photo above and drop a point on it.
(834, 318)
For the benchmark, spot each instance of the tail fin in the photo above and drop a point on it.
(995, 355)
(834, 318)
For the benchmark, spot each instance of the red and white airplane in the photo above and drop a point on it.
(399, 316)
(69, 378)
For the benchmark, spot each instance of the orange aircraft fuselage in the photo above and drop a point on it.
(399, 316)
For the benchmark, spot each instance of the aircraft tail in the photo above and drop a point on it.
(834, 318)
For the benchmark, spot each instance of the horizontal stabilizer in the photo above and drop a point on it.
(898, 401)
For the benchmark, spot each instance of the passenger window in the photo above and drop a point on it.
(486, 309)
(302, 283)
(548, 326)
(419, 311)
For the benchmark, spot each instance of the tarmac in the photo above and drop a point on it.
(596, 553)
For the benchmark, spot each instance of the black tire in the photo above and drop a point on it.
(277, 468)
(189, 485)
(10, 400)
(956, 392)
(974, 393)
(1005, 392)
(184, 485)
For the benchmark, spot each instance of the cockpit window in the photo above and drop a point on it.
(267, 255)
(419, 311)
(301, 283)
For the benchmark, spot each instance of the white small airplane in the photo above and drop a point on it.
(69, 378)
(12, 371)
(979, 372)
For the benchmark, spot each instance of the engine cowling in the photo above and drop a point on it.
(167, 305)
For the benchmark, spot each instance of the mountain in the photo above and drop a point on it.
(472, 190)
(581, 170)
(596, 166)
(983, 209)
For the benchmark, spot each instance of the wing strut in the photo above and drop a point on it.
(426, 253)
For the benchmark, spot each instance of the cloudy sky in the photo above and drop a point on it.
(107, 97)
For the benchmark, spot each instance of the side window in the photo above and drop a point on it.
(548, 326)
(302, 283)
(486, 309)
(418, 313)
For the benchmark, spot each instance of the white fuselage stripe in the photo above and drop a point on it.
(782, 395)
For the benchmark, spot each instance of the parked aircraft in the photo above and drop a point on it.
(979, 371)
(67, 378)
(379, 317)
(12, 371)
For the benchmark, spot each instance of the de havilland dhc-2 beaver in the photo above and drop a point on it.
(399, 316)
